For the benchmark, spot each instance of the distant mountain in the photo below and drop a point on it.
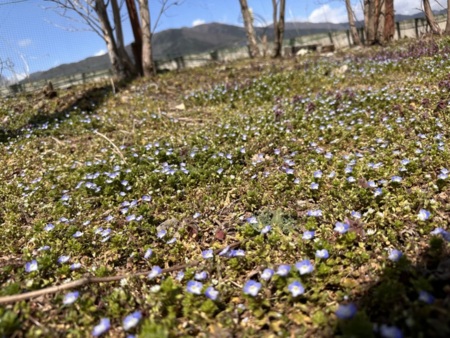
(173, 43)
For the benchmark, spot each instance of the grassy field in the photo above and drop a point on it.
(296, 198)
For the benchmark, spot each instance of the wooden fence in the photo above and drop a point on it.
(413, 28)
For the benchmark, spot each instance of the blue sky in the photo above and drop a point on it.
(34, 37)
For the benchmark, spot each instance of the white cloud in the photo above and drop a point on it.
(24, 42)
(197, 22)
(409, 7)
(100, 52)
(325, 13)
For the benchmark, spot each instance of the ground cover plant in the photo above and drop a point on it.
(303, 197)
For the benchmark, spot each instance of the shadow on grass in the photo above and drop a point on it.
(408, 300)
(81, 100)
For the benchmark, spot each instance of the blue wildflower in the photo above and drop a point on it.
(161, 233)
(252, 220)
(395, 255)
(202, 275)
(63, 259)
(31, 266)
(102, 327)
(148, 253)
(267, 274)
(307, 235)
(390, 332)
(396, 179)
(180, 275)
(208, 253)
(304, 267)
(314, 213)
(426, 297)
(71, 297)
(131, 320)
(266, 229)
(296, 288)
(322, 254)
(194, 287)
(341, 227)
(314, 186)
(49, 227)
(346, 311)
(423, 215)
(156, 270)
(211, 293)
(283, 270)
(252, 288)
(75, 266)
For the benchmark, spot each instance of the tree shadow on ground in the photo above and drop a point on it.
(409, 299)
(44, 111)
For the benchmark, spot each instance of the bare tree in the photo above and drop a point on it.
(279, 9)
(94, 14)
(248, 24)
(447, 26)
(351, 22)
(379, 21)
(147, 54)
(435, 29)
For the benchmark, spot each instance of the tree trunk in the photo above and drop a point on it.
(118, 66)
(435, 29)
(278, 26)
(275, 20)
(389, 24)
(381, 19)
(248, 23)
(351, 22)
(147, 54)
(447, 27)
(370, 20)
(119, 38)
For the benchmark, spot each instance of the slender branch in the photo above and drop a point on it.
(112, 143)
(91, 280)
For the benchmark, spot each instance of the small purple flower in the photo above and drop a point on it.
(75, 266)
(283, 270)
(77, 234)
(296, 288)
(146, 198)
(426, 297)
(314, 186)
(194, 287)
(172, 240)
(202, 275)
(252, 288)
(102, 327)
(156, 270)
(71, 297)
(356, 214)
(148, 253)
(252, 220)
(395, 255)
(180, 275)
(318, 174)
(44, 248)
(390, 331)
(396, 179)
(314, 213)
(161, 233)
(196, 215)
(266, 229)
(131, 320)
(31, 266)
(307, 235)
(207, 254)
(341, 227)
(225, 251)
(63, 259)
(65, 198)
(237, 253)
(49, 227)
(304, 267)
(131, 218)
(267, 274)
(346, 311)
(211, 293)
(423, 215)
(323, 254)
(378, 192)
